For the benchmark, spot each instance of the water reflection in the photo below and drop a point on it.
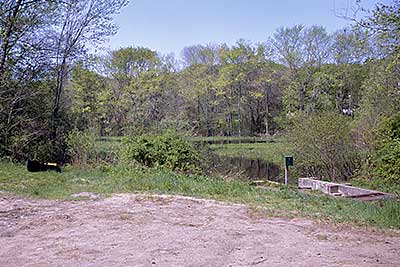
(251, 169)
(249, 140)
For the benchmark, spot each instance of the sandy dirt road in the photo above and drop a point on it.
(138, 230)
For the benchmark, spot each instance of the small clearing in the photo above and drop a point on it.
(144, 230)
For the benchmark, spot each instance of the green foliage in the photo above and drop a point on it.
(176, 123)
(386, 158)
(322, 146)
(81, 147)
(384, 21)
(288, 43)
(34, 115)
(374, 129)
(84, 149)
(387, 161)
(222, 90)
(89, 99)
(380, 90)
(131, 61)
(141, 91)
(324, 91)
(169, 150)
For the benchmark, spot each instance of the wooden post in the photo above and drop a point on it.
(287, 161)
(286, 175)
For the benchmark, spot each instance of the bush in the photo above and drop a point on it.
(84, 148)
(322, 146)
(386, 159)
(81, 147)
(169, 150)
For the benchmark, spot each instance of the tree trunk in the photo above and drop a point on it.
(238, 110)
(59, 88)
(229, 118)
(266, 112)
(205, 109)
(300, 90)
(230, 125)
(301, 96)
(207, 118)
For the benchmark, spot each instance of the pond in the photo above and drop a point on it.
(245, 168)
(248, 140)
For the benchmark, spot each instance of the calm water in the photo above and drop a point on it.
(250, 169)
(232, 141)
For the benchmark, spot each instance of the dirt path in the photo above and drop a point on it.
(135, 230)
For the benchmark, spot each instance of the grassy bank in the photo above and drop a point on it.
(269, 149)
(119, 179)
(272, 151)
(230, 138)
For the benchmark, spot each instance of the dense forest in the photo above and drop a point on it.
(334, 95)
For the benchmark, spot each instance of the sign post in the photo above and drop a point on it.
(288, 161)
(286, 175)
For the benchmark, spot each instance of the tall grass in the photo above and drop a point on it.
(130, 179)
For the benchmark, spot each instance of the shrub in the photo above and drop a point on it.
(169, 150)
(386, 158)
(81, 147)
(322, 146)
(84, 148)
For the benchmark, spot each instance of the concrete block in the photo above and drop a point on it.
(344, 190)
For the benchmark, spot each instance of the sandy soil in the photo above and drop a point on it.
(138, 230)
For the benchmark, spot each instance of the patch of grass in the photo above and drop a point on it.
(271, 151)
(123, 179)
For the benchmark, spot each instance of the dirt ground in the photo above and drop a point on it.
(139, 230)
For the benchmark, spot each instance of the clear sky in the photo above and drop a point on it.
(169, 25)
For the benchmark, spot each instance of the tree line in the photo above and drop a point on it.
(50, 84)
(243, 89)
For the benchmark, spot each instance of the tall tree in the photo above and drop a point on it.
(78, 24)
(351, 46)
(24, 63)
(317, 46)
(88, 102)
(20, 22)
(39, 41)
(289, 43)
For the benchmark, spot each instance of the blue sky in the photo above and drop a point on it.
(169, 25)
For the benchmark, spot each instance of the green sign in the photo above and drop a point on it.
(288, 161)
